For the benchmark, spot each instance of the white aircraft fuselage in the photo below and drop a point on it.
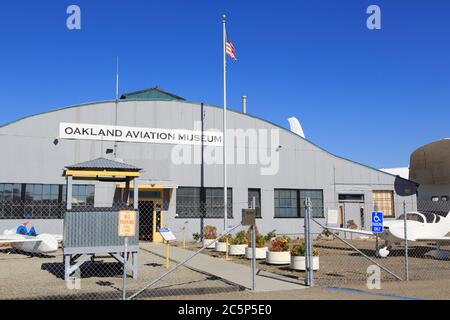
(40, 244)
(418, 226)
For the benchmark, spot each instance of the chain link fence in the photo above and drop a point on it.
(88, 261)
(350, 253)
(344, 251)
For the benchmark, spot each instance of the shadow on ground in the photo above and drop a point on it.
(96, 269)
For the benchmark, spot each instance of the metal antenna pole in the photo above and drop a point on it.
(116, 104)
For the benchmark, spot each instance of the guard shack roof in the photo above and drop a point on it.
(102, 168)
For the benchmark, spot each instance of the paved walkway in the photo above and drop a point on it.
(232, 272)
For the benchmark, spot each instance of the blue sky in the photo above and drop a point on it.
(370, 96)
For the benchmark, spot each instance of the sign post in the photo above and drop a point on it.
(249, 219)
(127, 228)
(167, 236)
(377, 222)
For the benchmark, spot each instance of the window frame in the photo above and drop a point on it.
(46, 202)
(207, 200)
(392, 215)
(322, 215)
(275, 204)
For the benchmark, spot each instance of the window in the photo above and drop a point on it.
(195, 202)
(81, 194)
(351, 197)
(384, 201)
(412, 217)
(286, 203)
(290, 203)
(256, 194)
(40, 192)
(40, 201)
(316, 197)
(10, 192)
(10, 201)
(429, 216)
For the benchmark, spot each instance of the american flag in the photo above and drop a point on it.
(230, 50)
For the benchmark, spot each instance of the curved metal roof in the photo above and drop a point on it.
(206, 105)
(430, 164)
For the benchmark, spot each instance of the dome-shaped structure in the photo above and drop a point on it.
(430, 164)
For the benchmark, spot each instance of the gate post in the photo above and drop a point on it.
(308, 244)
(405, 224)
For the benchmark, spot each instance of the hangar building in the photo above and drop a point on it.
(178, 144)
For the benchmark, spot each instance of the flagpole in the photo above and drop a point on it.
(116, 104)
(225, 189)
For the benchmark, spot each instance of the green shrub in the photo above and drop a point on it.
(270, 235)
(197, 236)
(260, 242)
(286, 238)
(224, 238)
(299, 250)
(240, 238)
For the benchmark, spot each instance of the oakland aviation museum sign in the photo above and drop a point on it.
(80, 131)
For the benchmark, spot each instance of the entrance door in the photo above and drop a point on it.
(352, 217)
(151, 214)
(352, 214)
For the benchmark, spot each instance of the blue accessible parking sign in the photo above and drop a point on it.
(377, 222)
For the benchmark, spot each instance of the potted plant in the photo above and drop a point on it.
(298, 260)
(221, 245)
(197, 236)
(260, 250)
(209, 235)
(278, 252)
(270, 235)
(238, 244)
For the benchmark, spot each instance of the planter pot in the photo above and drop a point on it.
(283, 257)
(221, 246)
(299, 263)
(209, 243)
(237, 249)
(260, 253)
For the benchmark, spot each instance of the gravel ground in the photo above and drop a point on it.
(341, 266)
(26, 277)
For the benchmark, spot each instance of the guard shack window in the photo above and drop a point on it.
(383, 201)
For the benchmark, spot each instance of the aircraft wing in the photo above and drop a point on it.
(439, 240)
(365, 232)
(58, 237)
